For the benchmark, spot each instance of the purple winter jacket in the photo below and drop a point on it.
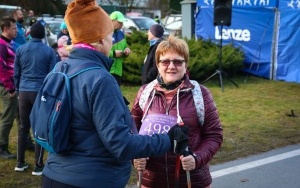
(204, 140)
(7, 56)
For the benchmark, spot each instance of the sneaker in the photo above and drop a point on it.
(5, 154)
(21, 166)
(38, 171)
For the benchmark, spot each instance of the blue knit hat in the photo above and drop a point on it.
(63, 26)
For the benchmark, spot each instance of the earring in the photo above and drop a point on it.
(100, 48)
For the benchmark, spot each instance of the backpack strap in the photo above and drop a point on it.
(146, 93)
(62, 67)
(82, 68)
(197, 96)
(198, 101)
(59, 67)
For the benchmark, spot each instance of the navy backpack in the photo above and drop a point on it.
(52, 110)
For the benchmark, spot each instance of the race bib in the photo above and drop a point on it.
(157, 124)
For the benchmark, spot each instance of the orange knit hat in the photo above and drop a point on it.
(87, 22)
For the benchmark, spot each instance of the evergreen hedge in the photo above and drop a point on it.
(203, 61)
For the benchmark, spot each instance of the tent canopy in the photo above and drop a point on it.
(266, 30)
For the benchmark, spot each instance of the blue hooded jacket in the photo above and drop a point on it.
(103, 143)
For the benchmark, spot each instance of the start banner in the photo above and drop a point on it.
(266, 30)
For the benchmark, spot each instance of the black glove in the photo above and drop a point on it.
(179, 139)
(126, 101)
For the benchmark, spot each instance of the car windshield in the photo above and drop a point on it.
(144, 24)
(54, 27)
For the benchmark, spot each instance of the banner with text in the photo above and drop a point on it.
(266, 30)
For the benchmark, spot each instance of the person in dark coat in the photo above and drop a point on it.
(155, 36)
(34, 60)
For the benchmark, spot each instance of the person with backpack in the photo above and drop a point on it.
(34, 60)
(100, 143)
(173, 98)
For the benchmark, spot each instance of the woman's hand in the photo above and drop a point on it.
(118, 53)
(11, 95)
(140, 164)
(188, 162)
(126, 51)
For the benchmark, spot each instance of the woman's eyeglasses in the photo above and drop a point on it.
(176, 62)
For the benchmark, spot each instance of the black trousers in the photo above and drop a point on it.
(26, 100)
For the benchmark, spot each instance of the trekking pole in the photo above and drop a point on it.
(177, 164)
(188, 175)
(140, 178)
(177, 167)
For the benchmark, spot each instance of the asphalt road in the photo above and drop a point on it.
(279, 168)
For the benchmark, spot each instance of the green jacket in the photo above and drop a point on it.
(119, 43)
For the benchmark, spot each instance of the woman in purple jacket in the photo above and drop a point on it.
(170, 101)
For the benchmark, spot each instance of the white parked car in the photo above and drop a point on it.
(173, 23)
(52, 28)
(138, 23)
